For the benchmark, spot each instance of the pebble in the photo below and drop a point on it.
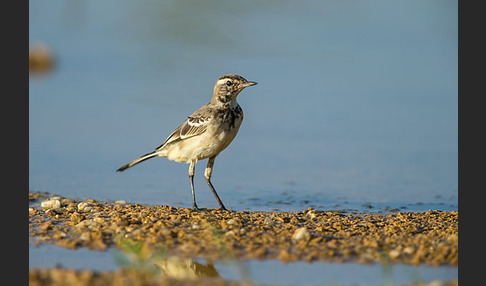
(84, 207)
(311, 213)
(301, 234)
(50, 204)
(268, 221)
(394, 253)
(66, 201)
(231, 232)
(89, 224)
(409, 250)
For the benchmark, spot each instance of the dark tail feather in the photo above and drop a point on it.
(136, 161)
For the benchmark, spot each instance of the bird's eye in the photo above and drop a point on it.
(229, 83)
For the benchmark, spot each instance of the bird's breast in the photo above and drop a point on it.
(229, 118)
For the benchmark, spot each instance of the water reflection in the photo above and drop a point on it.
(299, 273)
(269, 272)
(185, 268)
(140, 256)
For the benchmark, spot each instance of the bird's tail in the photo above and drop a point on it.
(136, 161)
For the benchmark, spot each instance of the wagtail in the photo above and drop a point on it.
(205, 133)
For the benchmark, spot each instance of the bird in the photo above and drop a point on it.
(205, 133)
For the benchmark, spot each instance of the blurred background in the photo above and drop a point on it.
(356, 106)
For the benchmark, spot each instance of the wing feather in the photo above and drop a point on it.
(192, 126)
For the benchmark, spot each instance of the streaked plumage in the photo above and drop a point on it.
(206, 132)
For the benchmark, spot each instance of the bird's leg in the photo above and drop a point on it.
(192, 167)
(207, 175)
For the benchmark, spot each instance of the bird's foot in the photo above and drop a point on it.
(222, 208)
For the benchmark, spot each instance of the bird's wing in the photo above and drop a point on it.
(194, 125)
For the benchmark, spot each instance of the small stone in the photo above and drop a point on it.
(176, 218)
(311, 213)
(66, 201)
(85, 236)
(409, 250)
(231, 221)
(90, 224)
(121, 202)
(301, 234)
(84, 207)
(268, 221)
(57, 210)
(394, 253)
(50, 204)
(76, 218)
(229, 233)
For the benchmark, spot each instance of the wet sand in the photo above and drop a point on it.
(417, 238)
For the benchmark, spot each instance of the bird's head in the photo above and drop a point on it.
(229, 86)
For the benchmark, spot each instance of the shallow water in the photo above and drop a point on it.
(261, 272)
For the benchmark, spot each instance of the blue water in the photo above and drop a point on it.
(356, 102)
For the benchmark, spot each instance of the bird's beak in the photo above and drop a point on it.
(250, 83)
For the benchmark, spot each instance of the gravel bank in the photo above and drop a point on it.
(429, 238)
